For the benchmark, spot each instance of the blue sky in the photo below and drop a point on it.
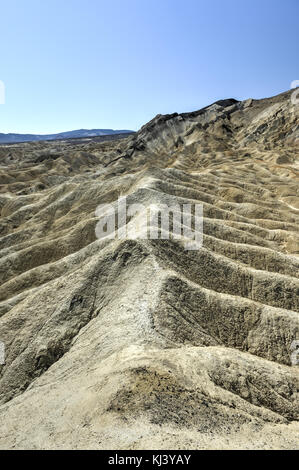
(116, 64)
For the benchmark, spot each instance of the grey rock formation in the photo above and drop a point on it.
(140, 344)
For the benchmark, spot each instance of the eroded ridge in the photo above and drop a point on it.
(140, 343)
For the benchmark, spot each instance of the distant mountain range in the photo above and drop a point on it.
(14, 138)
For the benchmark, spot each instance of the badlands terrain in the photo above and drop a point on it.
(141, 344)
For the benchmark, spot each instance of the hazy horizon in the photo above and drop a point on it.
(65, 131)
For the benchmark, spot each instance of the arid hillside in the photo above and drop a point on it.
(139, 343)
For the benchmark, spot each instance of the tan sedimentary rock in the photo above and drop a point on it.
(140, 344)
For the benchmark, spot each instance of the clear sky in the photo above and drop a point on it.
(70, 64)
